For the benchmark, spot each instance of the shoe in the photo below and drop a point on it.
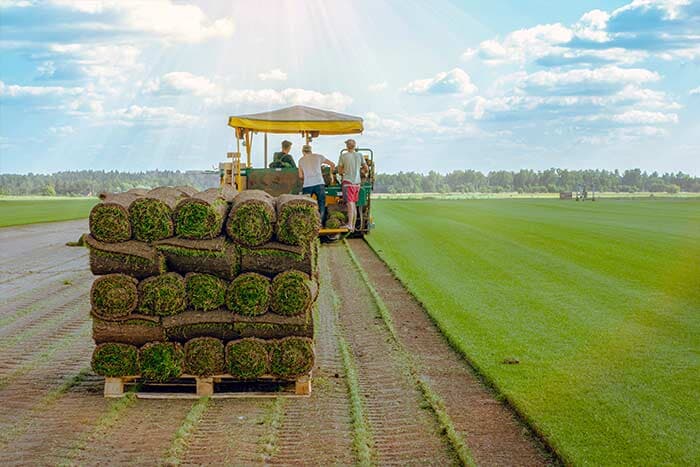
(350, 228)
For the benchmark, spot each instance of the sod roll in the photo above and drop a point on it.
(293, 293)
(204, 291)
(340, 215)
(134, 331)
(201, 216)
(138, 191)
(334, 223)
(133, 258)
(152, 215)
(291, 357)
(272, 326)
(190, 324)
(247, 358)
(114, 296)
(273, 258)
(251, 219)
(249, 294)
(217, 256)
(228, 192)
(160, 361)
(187, 190)
(204, 356)
(115, 359)
(109, 220)
(298, 220)
(162, 295)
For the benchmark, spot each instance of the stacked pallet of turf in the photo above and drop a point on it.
(203, 283)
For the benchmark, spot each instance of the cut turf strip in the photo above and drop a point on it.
(183, 433)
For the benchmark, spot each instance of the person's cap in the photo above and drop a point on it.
(306, 148)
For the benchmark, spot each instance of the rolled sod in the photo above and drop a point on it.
(115, 359)
(217, 256)
(204, 291)
(200, 216)
(160, 361)
(162, 295)
(273, 258)
(138, 191)
(187, 190)
(293, 293)
(152, 215)
(204, 356)
(291, 357)
(109, 220)
(114, 296)
(247, 358)
(249, 294)
(190, 324)
(298, 220)
(133, 258)
(134, 331)
(251, 219)
(334, 223)
(228, 192)
(272, 326)
(340, 215)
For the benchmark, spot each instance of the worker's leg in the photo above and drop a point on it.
(321, 198)
(351, 215)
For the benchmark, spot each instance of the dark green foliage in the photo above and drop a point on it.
(162, 295)
(196, 219)
(160, 361)
(204, 356)
(334, 223)
(249, 294)
(340, 215)
(115, 360)
(297, 220)
(204, 291)
(250, 224)
(291, 357)
(151, 219)
(291, 293)
(110, 223)
(247, 358)
(114, 295)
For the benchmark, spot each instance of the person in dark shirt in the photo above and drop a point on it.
(282, 159)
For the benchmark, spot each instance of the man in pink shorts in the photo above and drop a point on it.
(350, 165)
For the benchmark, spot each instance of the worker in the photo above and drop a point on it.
(310, 172)
(282, 159)
(350, 166)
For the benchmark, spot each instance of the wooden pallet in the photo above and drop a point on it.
(205, 386)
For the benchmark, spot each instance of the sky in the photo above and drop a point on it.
(137, 85)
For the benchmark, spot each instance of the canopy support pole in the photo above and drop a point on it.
(238, 163)
(265, 150)
(248, 144)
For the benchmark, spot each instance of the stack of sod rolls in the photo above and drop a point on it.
(203, 283)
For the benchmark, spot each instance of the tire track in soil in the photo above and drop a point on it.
(491, 431)
(16, 303)
(404, 430)
(318, 430)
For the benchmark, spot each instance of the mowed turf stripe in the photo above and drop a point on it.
(189, 424)
(599, 316)
(433, 399)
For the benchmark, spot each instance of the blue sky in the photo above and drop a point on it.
(442, 85)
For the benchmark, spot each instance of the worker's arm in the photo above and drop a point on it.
(301, 172)
(329, 163)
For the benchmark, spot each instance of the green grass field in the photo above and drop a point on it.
(20, 210)
(599, 302)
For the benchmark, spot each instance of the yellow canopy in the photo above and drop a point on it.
(299, 119)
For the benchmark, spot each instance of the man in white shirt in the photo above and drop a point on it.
(350, 166)
(310, 172)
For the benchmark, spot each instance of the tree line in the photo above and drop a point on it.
(93, 182)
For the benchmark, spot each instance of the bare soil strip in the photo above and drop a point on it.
(404, 430)
(491, 431)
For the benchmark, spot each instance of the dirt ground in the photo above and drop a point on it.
(54, 412)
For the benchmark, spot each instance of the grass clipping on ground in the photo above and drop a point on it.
(247, 358)
(204, 291)
(293, 292)
(249, 294)
(251, 219)
(201, 216)
(162, 295)
(160, 361)
(115, 360)
(114, 296)
(298, 220)
(204, 356)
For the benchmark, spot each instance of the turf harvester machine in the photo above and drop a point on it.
(310, 123)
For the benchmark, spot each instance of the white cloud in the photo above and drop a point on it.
(15, 90)
(107, 64)
(377, 87)
(637, 117)
(455, 81)
(46, 69)
(609, 75)
(273, 75)
(15, 3)
(161, 117)
(174, 22)
(450, 123)
(182, 82)
(695, 91)
(62, 130)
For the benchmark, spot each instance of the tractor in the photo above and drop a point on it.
(310, 123)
